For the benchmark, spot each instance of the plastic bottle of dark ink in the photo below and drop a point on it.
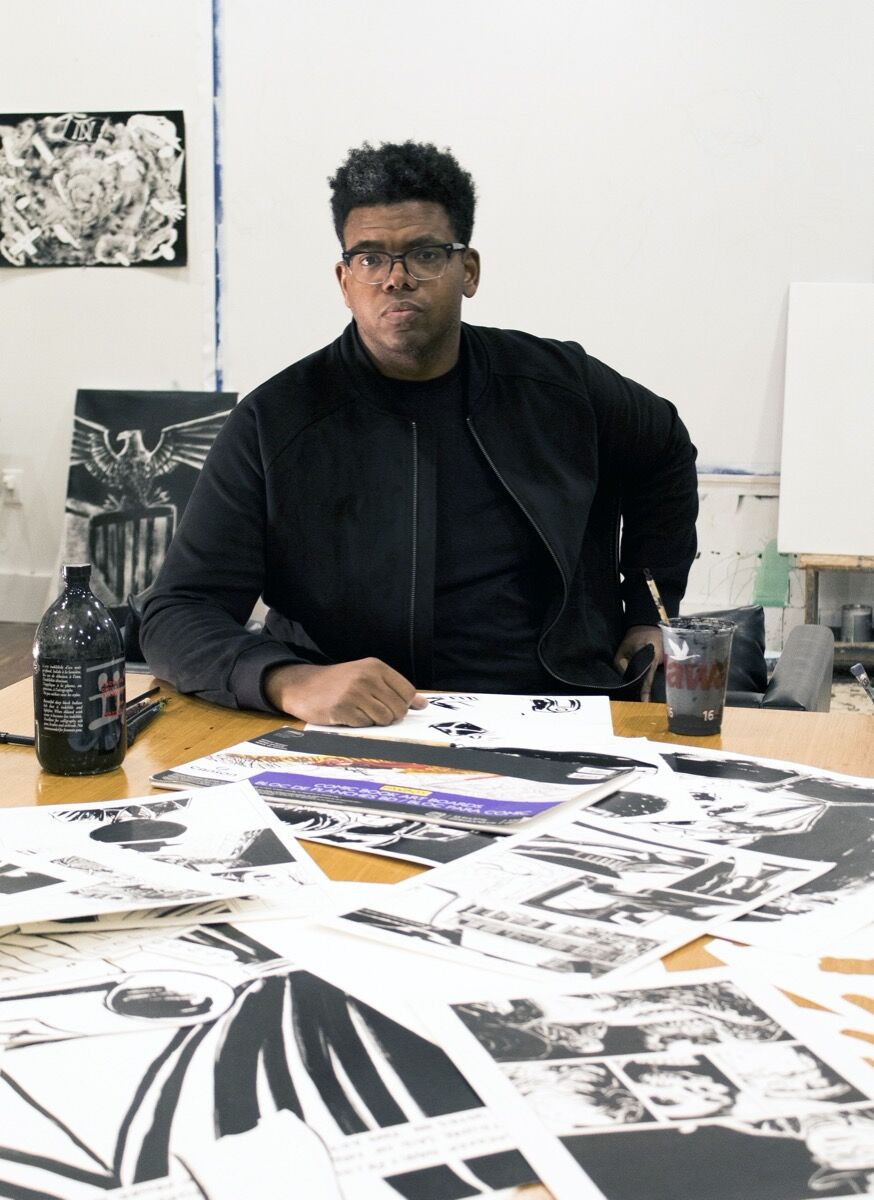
(78, 682)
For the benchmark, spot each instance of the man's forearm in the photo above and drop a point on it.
(364, 692)
(202, 650)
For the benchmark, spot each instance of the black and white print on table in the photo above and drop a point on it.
(776, 807)
(584, 899)
(364, 1105)
(678, 1092)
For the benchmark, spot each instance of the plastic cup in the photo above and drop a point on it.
(697, 651)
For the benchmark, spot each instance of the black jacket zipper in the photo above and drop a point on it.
(543, 538)
(414, 550)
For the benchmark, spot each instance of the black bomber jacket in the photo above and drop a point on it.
(320, 500)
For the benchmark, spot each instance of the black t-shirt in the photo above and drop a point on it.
(492, 573)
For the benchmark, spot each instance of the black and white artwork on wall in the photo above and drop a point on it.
(84, 189)
(134, 461)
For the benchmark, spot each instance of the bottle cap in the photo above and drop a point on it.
(76, 572)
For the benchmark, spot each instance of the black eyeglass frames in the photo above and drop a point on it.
(420, 262)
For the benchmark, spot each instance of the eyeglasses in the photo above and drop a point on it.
(422, 262)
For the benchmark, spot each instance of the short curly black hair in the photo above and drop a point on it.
(397, 171)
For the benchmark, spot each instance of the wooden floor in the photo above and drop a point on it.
(16, 639)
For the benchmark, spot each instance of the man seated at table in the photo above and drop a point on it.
(426, 504)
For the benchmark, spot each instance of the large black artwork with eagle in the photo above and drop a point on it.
(134, 460)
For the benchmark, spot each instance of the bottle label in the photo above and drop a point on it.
(75, 697)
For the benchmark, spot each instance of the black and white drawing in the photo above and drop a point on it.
(583, 899)
(629, 1022)
(85, 189)
(169, 915)
(389, 1108)
(18, 877)
(486, 720)
(380, 833)
(166, 997)
(781, 808)
(228, 834)
(638, 803)
(676, 1092)
(139, 980)
(134, 460)
(57, 958)
(79, 882)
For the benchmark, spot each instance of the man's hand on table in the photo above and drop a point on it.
(364, 692)
(635, 639)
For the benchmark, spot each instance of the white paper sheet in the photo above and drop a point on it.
(695, 1088)
(580, 900)
(493, 720)
(79, 880)
(227, 834)
(787, 808)
(391, 1112)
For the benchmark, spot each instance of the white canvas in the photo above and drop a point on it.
(825, 501)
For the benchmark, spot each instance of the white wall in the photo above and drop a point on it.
(66, 328)
(653, 174)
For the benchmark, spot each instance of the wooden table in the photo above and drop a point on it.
(188, 728)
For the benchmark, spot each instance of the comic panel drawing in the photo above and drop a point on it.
(587, 899)
(386, 1104)
(380, 833)
(781, 808)
(618, 1023)
(569, 1096)
(678, 1092)
(53, 886)
(827, 1154)
(227, 833)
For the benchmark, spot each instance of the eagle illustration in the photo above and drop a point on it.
(130, 473)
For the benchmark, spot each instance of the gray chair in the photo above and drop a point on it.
(801, 679)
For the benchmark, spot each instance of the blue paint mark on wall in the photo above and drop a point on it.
(217, 193)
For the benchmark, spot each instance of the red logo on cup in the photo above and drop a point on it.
(695, 677)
